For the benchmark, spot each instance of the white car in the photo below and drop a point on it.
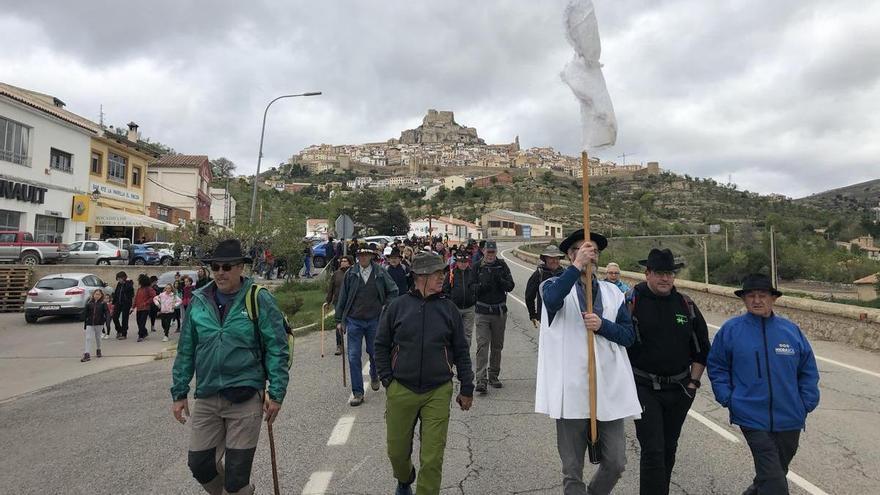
(62, 294)
(166, 252)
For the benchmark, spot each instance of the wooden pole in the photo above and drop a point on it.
(323, 316)
(274, 462)
(344, 356)
(591, 345)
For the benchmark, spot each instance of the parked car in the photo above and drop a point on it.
(96, 253)
(143, 255)
(379, 239)
(120, 242)
(62, 294)
(320, 256)
(166, 278)
(166, 252)
(20, 247)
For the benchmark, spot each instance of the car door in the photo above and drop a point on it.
(89, 253)
(8, 249)
(75, 253)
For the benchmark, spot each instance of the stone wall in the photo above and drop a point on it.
(105, 273)
(820, 320)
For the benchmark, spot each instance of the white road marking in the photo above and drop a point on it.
(716, 327)
(516, 299)
(714, 427)
(806, 485)
(318, 483)
(340, 433)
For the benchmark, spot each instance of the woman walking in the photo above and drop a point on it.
(154, 311)
(97, 318)
(186, 296)
(143, 302)
(167, 302)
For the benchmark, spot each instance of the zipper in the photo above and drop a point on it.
(769, 380)
(758, 363)
(446, 357)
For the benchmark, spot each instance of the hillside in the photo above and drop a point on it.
(857, 197)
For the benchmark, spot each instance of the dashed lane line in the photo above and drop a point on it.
(714, 427)
(318, 483)
(716, 327)
(340, 433)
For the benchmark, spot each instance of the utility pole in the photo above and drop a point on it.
(705, 242)
(227, 216)
(773, 257)
(726, 245)
(623, 157)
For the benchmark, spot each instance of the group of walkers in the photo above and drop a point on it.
(415, 316)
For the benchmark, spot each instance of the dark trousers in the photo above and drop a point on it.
(166, 318)
(154, 312)
(120, 319)
(141, 316)
(772, 453)
(663, 414)
(177, 316)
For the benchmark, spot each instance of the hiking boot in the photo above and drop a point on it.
(375, 384)
(85, 358)
(165, 339)
(495, 383)
(338, 351)
(98, 353)
(406, 488)
(481, 388)
(356, 400)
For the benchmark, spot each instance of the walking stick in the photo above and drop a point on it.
(593, 437)
(323, 307)
(344, 384)
(274, 462)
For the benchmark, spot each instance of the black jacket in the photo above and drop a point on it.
(124, 294)
(419, 340)
(533, 295)
(97, 314)
(461, 287)
(400, 275)
(495, 281)
(668, 338)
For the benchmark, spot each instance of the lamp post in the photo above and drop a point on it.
(260, 157)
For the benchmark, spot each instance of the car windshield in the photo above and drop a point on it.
(57, 283)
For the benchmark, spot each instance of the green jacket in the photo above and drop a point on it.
(227, 355)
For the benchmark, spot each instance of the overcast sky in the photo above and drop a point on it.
(783, 96)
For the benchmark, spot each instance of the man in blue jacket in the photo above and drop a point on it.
(763, 371)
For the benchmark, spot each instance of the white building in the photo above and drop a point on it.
(222, 207)
(45, 155)
(181, 181)
(455, 229)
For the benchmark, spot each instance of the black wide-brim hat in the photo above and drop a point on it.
(227, 251)
(578, 235)
(756, 281)
(661, 260)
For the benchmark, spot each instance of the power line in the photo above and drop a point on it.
(171, 190)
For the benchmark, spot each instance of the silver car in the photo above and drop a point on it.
(165, 250)
(62, 294)
(96, 253)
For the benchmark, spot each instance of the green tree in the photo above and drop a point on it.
(222, 168)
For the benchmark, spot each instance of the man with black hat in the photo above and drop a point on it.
(460, 285)
(366, 289)
(668, 359)
(398, 272)
(562, 389)
(420, 338)
(220, 344)
(494, 282)
(548, 268)
(764, 372)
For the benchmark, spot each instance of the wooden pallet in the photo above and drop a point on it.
(14, 286)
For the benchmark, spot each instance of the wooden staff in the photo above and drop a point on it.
(344, 384)
(274, 462)
(323, 308)
(593, 438)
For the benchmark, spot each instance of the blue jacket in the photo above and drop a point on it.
(763, 370)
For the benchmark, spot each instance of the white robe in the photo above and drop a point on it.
(562, 388)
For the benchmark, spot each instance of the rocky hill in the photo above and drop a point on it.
(440, 128)
(857, 197)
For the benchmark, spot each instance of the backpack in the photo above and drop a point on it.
(687, 303)
(253, 311)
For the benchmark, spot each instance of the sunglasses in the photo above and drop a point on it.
(225, 266)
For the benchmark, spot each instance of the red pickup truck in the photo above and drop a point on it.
(19, 247)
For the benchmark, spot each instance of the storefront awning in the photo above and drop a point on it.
(118, 218)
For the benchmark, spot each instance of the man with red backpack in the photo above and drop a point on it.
(668, 358)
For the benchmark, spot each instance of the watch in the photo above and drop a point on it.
(694, 382)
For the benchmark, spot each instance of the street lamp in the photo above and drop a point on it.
(260, 158)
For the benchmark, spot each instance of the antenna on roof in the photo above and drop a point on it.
(101, 117)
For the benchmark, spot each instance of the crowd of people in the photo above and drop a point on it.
(414, 307)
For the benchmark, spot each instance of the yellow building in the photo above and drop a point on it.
(117, 175)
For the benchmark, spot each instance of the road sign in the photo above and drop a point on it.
(344, 227)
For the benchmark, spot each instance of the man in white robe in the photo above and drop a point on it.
(562, 389)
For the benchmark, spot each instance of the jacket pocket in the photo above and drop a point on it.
(758, 364)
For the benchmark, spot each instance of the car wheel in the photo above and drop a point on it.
(166, 261)
(30, 259)
(139, 261)
(29, 318)
(103, 262)
(319, 261)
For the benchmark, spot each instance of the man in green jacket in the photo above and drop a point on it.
(232, 364)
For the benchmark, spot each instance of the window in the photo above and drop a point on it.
(7, 238)
(60, 160)
(136, 176)
(97, 163)
(48, 229)
(57, 283)
(14, 142)
(90, 246)
(75, 247)
(117, 168)
(9, 220)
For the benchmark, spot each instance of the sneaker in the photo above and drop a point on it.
(98, 353)
(375, 384)
(481, 388)
(141, 339)
(495, 383)
(338, 351)
(165, 339)
(406, 488)
(85, 358)
(356, 400)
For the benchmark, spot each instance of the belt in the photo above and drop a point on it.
(493, 307)
(657, 380)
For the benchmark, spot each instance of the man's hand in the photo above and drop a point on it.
(464, 402)
(592, 321)
(340, 328)
(534, 323)
(585, 255)
(180, 409)
(270, 409)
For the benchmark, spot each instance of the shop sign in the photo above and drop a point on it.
(22, 192)
(116, 192)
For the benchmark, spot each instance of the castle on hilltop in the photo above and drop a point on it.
(440, 128)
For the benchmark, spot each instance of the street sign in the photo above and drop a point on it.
(344, 227)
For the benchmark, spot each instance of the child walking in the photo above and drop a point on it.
(97, 318)
(167, 302)
(143, 301)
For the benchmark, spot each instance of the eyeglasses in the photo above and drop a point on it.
(225, 266)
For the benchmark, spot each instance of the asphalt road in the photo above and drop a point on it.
(112, 432)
